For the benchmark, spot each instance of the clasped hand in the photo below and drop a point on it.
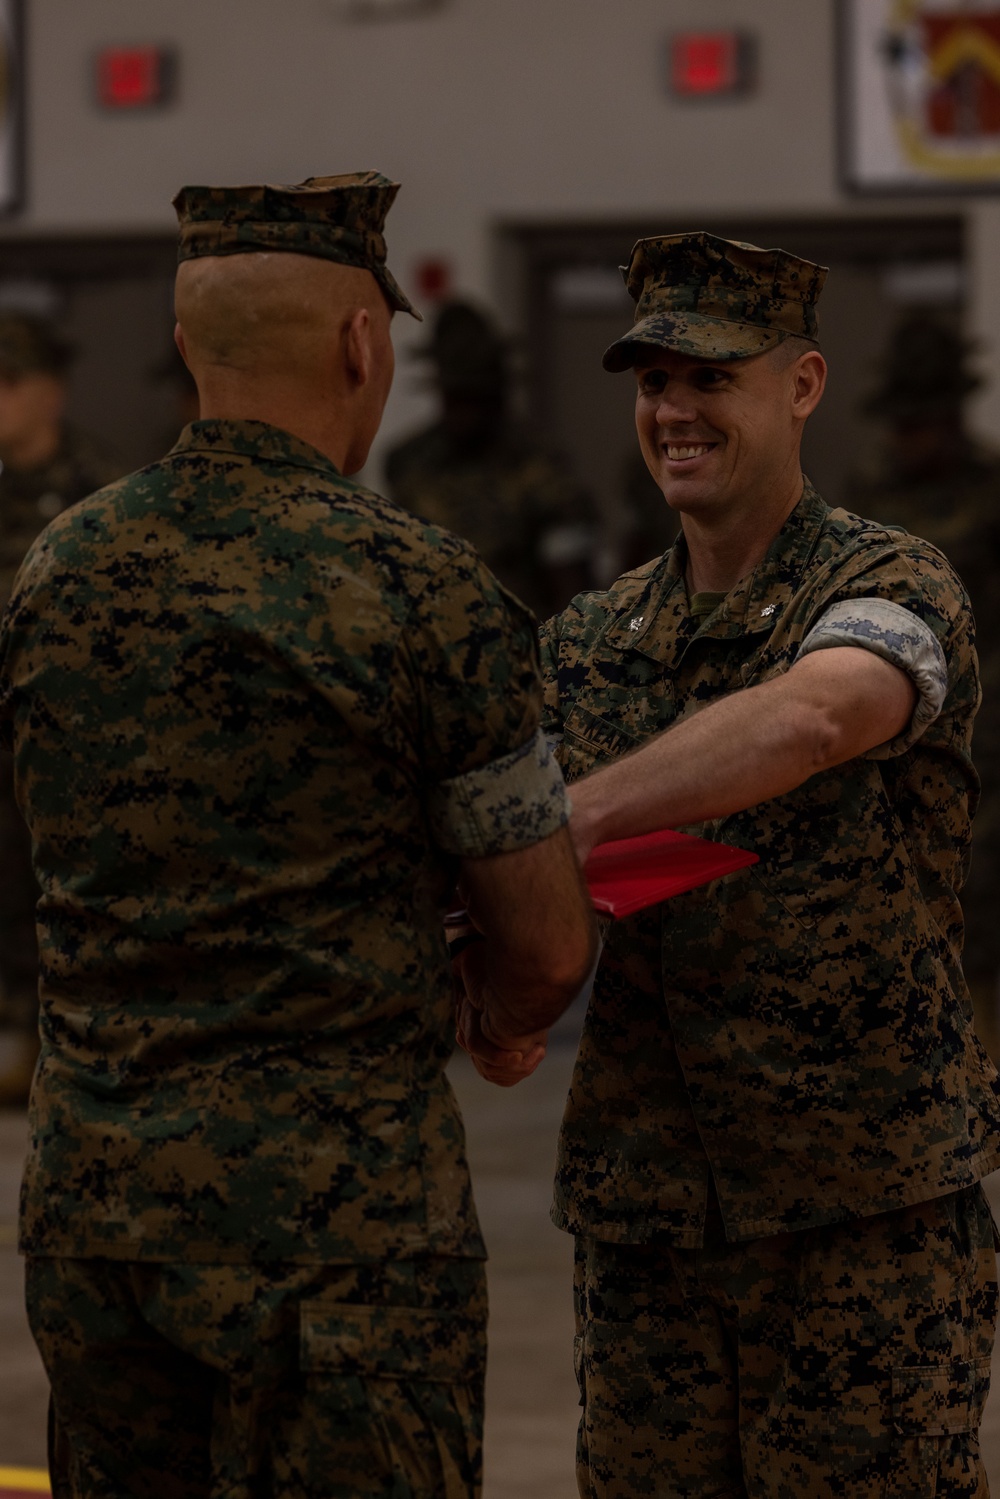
(498, 1054)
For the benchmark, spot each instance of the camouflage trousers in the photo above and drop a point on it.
(845, 1362)
(18, 894)
(242, 1381)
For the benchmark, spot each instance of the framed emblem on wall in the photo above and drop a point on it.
(11, 105)
(920, 95)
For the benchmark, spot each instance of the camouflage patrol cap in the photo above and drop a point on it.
(715, 298)
(29, 345)
(337, 218)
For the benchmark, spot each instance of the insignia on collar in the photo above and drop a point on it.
(768, 609)
(634, 624)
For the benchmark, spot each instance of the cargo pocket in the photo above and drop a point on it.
(590, 742)
(936, 1413)
(414, 1380)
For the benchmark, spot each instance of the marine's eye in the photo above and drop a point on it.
(709, 376)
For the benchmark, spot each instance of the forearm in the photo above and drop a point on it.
(737, 752)
(757, 744)
(539, 935)
(514, 1004)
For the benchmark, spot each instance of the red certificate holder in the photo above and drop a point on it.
(632, 873)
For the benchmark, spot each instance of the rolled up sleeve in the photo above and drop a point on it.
(469, 698)
(900, 637)
(510, 803)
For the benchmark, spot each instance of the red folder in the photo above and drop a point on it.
(632, 873)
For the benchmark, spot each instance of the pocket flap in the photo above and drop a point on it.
(940, 1400)
(589, 740)
(391, 1342)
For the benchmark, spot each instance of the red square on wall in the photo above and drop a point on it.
(134, 77)
(704, 64)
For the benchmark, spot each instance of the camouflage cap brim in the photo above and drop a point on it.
(394, 293)
(691, 333)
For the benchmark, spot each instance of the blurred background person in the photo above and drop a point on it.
(933, 478)
(479, 472)
(48, 465)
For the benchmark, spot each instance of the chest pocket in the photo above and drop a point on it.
(590, 741)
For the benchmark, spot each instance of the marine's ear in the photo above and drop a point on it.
(359, 353)
(808, 375)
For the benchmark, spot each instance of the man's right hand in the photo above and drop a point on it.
(497, 1055)
(504, 1064)
(540, 938)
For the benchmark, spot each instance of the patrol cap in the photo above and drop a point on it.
(30, 345)
(715, 298)
(336, 218)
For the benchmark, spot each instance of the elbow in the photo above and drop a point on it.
(828, 747)
(821, 741)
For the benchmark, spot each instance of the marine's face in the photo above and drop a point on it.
(716, 435)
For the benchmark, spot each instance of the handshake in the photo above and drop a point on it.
(501, 1051)
(521, 963)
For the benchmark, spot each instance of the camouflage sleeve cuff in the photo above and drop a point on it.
(508, 804)
(898, 636)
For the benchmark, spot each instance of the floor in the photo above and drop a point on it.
(531, 1393)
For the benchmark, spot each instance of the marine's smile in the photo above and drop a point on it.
(685, 453)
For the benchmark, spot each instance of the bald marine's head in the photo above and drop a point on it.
(284, 301)
(300, 342)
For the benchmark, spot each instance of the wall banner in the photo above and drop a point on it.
(920, 95)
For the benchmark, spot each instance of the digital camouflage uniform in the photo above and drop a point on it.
(258, 714)
(29, 499)
(779, 1112)
(479, 473)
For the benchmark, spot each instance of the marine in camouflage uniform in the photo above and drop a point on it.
(47, 465)
(935, 480)
(260, 717)
(780, 1111)
(478, 472)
